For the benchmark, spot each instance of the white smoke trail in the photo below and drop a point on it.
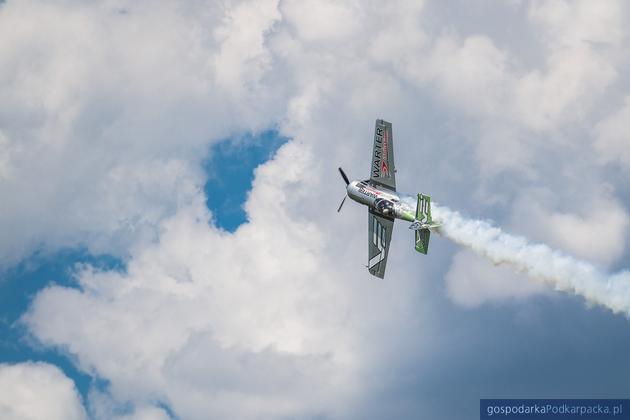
(536, 260)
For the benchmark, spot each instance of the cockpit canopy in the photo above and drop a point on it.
(385, 207)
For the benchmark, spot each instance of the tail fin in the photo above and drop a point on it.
(423, 209)
(423, 215)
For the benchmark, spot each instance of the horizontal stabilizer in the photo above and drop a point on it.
(422, 240)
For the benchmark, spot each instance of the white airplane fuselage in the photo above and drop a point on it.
(383, 200)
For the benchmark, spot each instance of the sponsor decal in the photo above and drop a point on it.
(384, 167)
(378, 152)
(367, 192)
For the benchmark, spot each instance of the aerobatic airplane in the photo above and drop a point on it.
(385, 205)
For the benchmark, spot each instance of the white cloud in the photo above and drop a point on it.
(243, 58)
(103, 407)
(471, 72)
(593, 227)
(323, 21)
(569, 86)
(583, 40)
(572, 24)
(38, 391)
(472, 281)
(612, 136)
(518, 103)
(108, 110)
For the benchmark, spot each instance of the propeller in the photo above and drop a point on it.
(345, 178)
(341, 205)
(343, 175)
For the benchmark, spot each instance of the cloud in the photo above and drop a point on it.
(108, 110)
(38, 391)
(593, 229)
(472, 281)
(103, 407)
(517, 103)
(242, 59)
(612, 141)
(322, 21)
(583, 42)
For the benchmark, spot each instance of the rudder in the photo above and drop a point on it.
(423, 209)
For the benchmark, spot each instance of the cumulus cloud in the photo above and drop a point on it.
(107, 110)
(593, 228)
(38, 391)
(612, 139)
(518, 102)
(472, 281)
(103, 407)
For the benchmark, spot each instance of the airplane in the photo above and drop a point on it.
(385, 204)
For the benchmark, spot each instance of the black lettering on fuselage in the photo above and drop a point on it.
(366, 192)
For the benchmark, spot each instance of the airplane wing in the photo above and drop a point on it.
(382, 171)
(380, 234)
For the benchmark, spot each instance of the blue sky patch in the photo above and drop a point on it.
(230, 170)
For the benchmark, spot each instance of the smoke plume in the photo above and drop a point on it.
(538, 261)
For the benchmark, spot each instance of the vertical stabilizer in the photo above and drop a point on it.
(423, 209)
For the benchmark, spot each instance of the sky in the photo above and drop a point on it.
(168, 185)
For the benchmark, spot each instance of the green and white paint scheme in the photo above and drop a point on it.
(386, 205)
